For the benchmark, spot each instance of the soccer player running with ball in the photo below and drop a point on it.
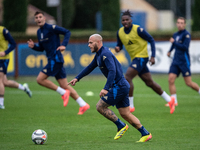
(48, 37)
(115, 91)
(5, 39)
(135, 40)
(181, 61)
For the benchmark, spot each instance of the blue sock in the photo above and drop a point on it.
(143, 131)
(119, 124)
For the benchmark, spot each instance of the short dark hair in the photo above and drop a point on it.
(182, 18)
(38, 12)
(127, 13)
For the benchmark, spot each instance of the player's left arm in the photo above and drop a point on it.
(11, 41)
(185, 43)
(110, 65)
(146, 36)
(65, 32)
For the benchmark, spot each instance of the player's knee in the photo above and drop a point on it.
(188, 84)
(39, 81)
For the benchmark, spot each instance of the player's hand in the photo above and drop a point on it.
(168, 54)
(117, 49)
(103, 93)
(30, 43)
(61, 48)
(2, 54)
(152, 61)
(171, 40)
(73, 82)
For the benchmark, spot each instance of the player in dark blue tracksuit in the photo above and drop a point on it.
(181, 61)
(115, 91)
(48, 38)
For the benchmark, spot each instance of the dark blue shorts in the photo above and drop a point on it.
(4, 65)
(140, 64)
(55, 69)
(177, 69)
(118, 95)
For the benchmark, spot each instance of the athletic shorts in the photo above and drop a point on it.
(140, 64)
(54, 69)
(118, 94)
(177, 69)
(4, 65)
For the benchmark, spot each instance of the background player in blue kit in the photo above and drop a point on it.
(181, 61)
(5, 39)
(115, 91)
(48, 38)
(135, 40)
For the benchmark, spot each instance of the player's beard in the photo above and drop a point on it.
(95, 48)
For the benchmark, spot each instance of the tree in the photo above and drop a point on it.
(15, 15)
(195, 16)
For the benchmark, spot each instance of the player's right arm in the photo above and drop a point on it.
(35, 47)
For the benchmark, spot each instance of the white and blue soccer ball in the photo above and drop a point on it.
(39, 137)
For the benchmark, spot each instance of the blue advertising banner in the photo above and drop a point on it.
(77, 56)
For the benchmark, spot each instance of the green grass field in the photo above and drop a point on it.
(68, 131)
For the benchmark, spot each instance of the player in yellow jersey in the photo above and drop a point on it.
(5, 39)
(135, 40)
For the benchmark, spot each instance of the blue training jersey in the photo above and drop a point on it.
(181, 45)
(109, 66)
(143, 34)
(49, 40)
(10, 39)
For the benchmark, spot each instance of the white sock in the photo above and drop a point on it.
(131, 101)
(175, 96)
(199, 90)
(21, 87)
(81, 102)
(61, 91)
(2, 101)
(165, 96)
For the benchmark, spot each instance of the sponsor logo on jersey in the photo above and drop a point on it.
(106, 97)
(45, 70)
(134, 65)
(129, 42)
(104, 57)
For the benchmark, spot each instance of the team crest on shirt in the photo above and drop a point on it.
(187, 36)
(141, 29)
(7, 31)
(53, 26)
(104, 57)
(134, 65)
(42, 36)
(177, 38)
(1, 68)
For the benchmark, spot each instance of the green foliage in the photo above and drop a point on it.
(195, 16)
(15, 15)
(68, 12)
(110, 14)
(68, 131)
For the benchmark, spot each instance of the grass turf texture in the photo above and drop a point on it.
(67, 130)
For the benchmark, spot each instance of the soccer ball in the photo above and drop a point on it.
(39, 137)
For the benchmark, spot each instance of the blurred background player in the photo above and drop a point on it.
(5, 39)
(48, 38)
(181, 61)
(135, 40)
(115, 91)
